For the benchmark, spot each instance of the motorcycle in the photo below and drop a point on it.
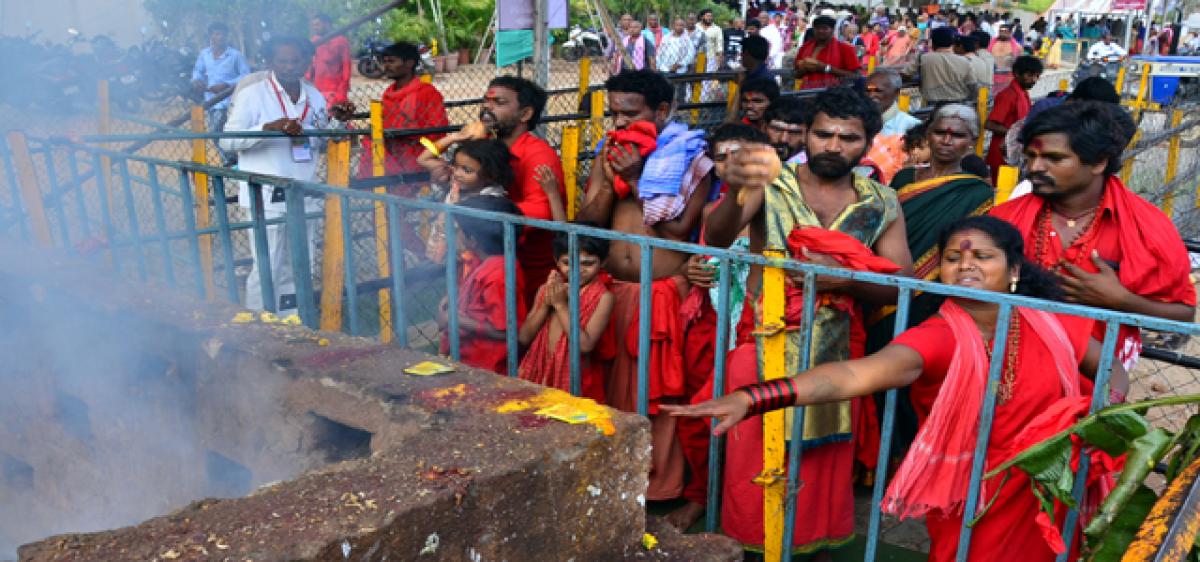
(369, 64)
(584, 43)
(1104, 67)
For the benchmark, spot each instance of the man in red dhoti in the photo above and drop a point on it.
(1012, 105)
(407, 104)
(650, 178)
(330, 71)
(1110, 248)
(824, 61)
(822, 193)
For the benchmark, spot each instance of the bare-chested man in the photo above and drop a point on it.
(650, 178)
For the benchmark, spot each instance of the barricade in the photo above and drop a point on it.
(149, 232)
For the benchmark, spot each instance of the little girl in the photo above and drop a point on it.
(476, 167)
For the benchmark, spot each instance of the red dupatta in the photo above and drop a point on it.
(936, 472)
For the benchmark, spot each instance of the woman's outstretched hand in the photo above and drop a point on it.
(729, 410)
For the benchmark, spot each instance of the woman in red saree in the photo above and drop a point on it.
(1042, 364)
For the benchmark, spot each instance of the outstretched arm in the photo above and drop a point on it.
(891, 367)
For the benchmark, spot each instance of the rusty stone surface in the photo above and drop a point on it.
(449, 477)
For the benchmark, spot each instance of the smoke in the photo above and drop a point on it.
(110, 416)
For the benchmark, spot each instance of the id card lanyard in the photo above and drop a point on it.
(301, 149)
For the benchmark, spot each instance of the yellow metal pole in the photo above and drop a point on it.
(381, 224)
(697, 86)
(333, 258)
(870, 65)
(597, 118)
(104, 128)
(31, 194)
(570, 159)
(427, 78)
(1006, 180)
(774, 349)
(200, 200)
(1127, 168)
(982, 109)
(1142, 84)
(1168, 205)
(585, 77)
(731, 101)
(1120, 81)
(904, 101)
(1064, 85)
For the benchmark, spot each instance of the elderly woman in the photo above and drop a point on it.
(946, 360)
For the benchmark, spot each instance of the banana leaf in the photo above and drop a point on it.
(1112, 545)
(1112, 432)
(1145, 452)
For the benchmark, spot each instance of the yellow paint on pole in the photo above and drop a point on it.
(31, 193)
(585, 78)
(381, 223)
(698, 86)
(904, 101)
(1127, 167)
(200, 199)
(333, 258)
(597, 119)
(774, 349)
(981, 107)
(570, 160)
(104, 127)
(1143, 84)
(1006, 180)
(870, 65)
(1120, 81)
(1064, 85)
(731, 101)
(1168, 205)
(427, 78)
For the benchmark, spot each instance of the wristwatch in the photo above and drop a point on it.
(827, 69)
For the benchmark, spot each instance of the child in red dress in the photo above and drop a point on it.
(547, 327)
(482, 321)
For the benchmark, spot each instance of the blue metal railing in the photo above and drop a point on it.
(138, 241)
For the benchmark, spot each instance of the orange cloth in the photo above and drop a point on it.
(330, 71)
(643, 137)
(481, 298)
(549, 364)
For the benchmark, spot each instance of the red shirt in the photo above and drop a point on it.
(481, 298)
(1012, 104)
(417, 105)
(330, 71)
(837, 54)
(535, 252)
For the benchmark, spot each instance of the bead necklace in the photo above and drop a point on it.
(1044, 227)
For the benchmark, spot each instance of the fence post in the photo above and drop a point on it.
(381, 223)
(31, 194)
(333, 257)
(1064, 85)
(1127, 167)
(585, 77)
(570, 159)
(981, 107)
(904, 101)
(774, 347)
(104, 127)
(1120, 81)
(200, 199)
(427, 78)
(731, 102)
(698, 86)
(1168, 205)
(870, 65)
(1006, 180)
(597, 118)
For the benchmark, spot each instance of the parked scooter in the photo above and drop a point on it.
(584, 43)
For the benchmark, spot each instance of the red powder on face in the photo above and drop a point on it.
(1036, 144)
(964, 244)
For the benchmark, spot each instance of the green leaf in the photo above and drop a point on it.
(1189, 445)
(1144, 453)
(1111, 432)
(1120, 533)
(1048, 463)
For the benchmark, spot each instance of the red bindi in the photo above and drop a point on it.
(490, 93)
(964, 244)
(1036, 144)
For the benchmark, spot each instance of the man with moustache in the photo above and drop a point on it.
(1110, 248)
(854, 211)
(512, 107)
(785, 125)
(756, 96)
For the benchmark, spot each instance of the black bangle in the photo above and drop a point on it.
(770, 395)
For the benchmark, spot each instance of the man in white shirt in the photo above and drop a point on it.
(1106, 49)
(278, 99)
(676, 53)
(774, 38)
